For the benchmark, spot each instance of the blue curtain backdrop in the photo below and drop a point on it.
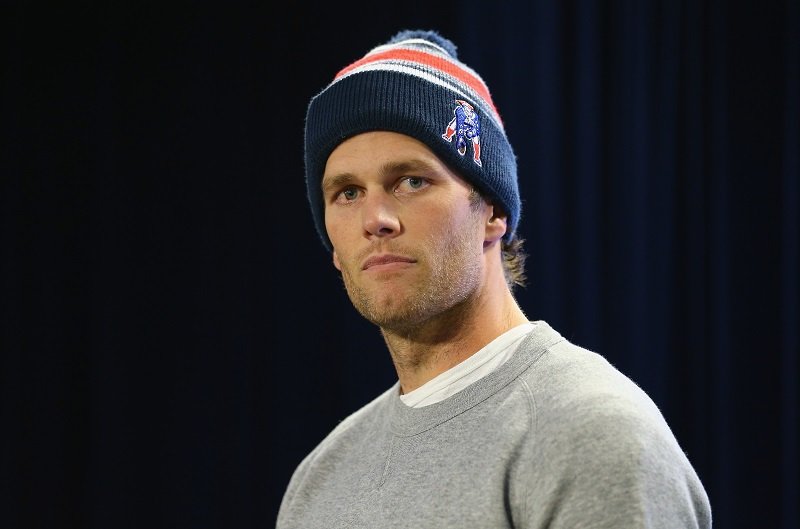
(173, 338)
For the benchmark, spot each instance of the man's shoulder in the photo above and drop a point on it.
(589, 415)
(570, 381)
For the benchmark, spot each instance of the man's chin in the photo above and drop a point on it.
(387, 310)
(398, 323)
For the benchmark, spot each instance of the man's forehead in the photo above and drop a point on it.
(381, 161)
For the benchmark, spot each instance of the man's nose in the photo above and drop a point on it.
(379, 216)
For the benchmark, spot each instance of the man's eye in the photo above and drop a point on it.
(412, 183)
(415, 182)
(350, 194)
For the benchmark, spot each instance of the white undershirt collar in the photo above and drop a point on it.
(477, 366)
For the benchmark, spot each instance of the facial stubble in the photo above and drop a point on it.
(446, 278)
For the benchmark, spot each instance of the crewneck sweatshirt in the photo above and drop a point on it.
(556, 437)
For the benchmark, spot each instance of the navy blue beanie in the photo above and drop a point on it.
(415, 85)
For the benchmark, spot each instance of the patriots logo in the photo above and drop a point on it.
(466, 127)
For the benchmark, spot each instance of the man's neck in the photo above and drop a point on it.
(441, 343)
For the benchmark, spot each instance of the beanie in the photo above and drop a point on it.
(415, 85)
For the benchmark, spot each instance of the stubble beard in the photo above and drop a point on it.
(450, 276)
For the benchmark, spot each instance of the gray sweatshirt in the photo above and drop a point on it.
(556, 437)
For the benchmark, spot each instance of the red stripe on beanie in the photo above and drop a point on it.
(428, 60)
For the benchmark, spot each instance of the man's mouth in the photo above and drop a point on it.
(386, 261)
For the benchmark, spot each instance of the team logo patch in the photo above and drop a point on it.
(466, 127)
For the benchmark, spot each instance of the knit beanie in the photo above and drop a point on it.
(415, 85)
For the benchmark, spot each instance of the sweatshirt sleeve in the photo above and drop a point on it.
(609, 460)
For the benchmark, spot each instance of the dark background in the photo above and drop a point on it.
(174, 339)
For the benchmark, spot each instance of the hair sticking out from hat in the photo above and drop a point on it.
(414, 84)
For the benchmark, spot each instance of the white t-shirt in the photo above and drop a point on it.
(477, 366)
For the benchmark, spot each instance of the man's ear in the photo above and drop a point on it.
(496, 225)
(336, 262)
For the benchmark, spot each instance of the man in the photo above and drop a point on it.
(495, 421)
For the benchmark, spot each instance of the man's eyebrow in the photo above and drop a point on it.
(406, 166)
(336, 181)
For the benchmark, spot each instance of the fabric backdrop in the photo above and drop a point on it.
(174, 339)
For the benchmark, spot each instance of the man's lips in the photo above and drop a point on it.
(385, 259)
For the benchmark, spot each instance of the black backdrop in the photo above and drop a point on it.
(174, 339)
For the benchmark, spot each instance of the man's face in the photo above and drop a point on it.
(406, 237)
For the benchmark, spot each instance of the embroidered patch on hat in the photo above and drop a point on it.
(466, 127)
